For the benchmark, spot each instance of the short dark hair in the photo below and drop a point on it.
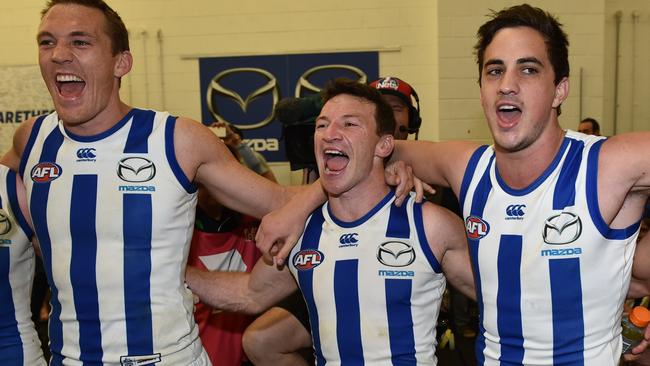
(115, 27)
(524, 15)
(594, 124)
(383, 112)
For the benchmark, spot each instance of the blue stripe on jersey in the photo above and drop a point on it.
(478, 205)
(400, 321)
(171, 156)
(15, 206)
(11, 346)
(422, 237)
(398, 221)
(509, 299)
(30, 144)
(469, 172)
(592, 199)
(565, 191)
(106, 133)
(310, 240)
(83, 261)
(141, 127)
(38, 209)
(137, 273)
(348, 316)
(568, 320)
(363, 218)
(539, 180)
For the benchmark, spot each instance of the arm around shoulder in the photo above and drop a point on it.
(12, 157)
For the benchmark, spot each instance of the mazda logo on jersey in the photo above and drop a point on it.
(562, 229)
(5, 223)
(395, 254)
(216, 87)
(136, 170)
(476, 227)
(308, 259)
(45, 172)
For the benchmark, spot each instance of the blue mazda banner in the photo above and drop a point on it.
(244, 90)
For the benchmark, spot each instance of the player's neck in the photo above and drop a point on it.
(102, 121)
(358, 201)
(521, 168)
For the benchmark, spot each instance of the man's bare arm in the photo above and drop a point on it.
(12, 157)
(249, 293)
(446, 236)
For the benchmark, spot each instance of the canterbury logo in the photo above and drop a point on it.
(395, 254)
(216, 87)
(515, 210)
(86, 154)
(136, 170)
(5, 223)
(349, 239)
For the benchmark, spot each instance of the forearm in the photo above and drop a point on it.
(222, 290)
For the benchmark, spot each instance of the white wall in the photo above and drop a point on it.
(403, 31)
(426, 42)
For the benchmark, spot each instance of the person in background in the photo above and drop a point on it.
(244, 153)
(589, 126)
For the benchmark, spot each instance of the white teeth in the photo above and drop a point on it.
(334, 152)
(507, 108)
(67, 77)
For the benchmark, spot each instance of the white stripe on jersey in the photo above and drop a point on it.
(552, 276)
(114, 215)
(373, 287)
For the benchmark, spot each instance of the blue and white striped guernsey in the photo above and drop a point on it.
(114, 215)
(19, 344)
(551, 275)
(373, 286)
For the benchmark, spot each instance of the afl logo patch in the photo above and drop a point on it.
(308, 259)
(45, 172)
(476, 227)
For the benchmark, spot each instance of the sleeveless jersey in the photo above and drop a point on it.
(233, 251)
(114, 214)
(551, 276)
(373, 286)
(19, 343)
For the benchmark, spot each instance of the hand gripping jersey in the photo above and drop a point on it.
(114, 215)
(551, 275)
(373, 286)
(19, 344)
(234, 251)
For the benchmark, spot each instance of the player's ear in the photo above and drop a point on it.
(123, 64)
(561, 92)
(384, 146)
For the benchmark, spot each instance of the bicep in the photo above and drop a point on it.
(446, 236)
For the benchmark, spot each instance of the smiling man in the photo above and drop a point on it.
(112, 194)
(371, 273)
(552, 215)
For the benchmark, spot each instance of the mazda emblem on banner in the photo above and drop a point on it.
(243, 91)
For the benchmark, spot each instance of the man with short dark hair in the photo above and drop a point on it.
(371, 273)
(112, 194)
